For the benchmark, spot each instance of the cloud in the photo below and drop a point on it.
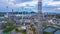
(56, 0)
(51, 6)
(31, 3)
(44, 2)
(13, 3)
(51, 3)
(57, 3)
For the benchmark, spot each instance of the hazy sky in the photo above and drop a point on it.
(15, 4)
(51, 6)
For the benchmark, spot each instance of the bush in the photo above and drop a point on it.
(47, 32)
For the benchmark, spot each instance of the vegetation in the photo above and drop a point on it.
(58, 25)
(47, 32)
(22, 31)
(9, 24)
(44, 24)
(12, 27)
(36, 23)
(32, 29)
(58, 16)
(9, 28)
(7, 33)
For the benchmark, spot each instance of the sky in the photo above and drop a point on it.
(47, 5)
(15, 4)
(52, 6)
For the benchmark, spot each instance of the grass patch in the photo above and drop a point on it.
(47, 32)
(22, 31)
(9, 29)
(9, 24)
